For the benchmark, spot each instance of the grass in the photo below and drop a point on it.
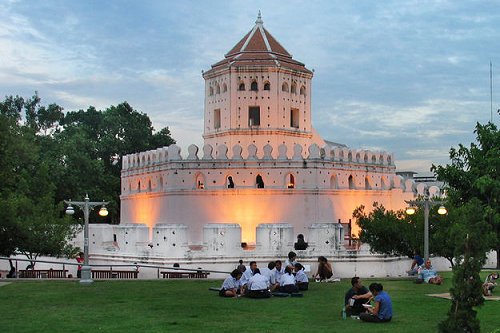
(188, 306)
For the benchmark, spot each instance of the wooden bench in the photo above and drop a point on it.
(43, 273)
(181, 275)
(111, 274)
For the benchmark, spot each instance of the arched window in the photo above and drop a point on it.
(293, 88)
(211, 91)
(230, 182)
(368, 186)
(241, 87)
(334, 183)
(200, 181)
(224, 87)
(351, 183)
(259, 181)
(290, 181)
(254, 86)
(267, 86)
(303, 91)
(217, 89)
(284, 87)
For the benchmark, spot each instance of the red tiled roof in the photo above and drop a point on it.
(259, 48)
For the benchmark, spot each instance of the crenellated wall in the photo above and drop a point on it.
(163, 187)
(165, 169)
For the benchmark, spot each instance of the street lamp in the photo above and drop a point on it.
(87, 206)
(427, 204)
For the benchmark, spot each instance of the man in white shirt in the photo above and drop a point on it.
(278, 271)
(247, 274)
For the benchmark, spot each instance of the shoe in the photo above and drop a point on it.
(330, 280)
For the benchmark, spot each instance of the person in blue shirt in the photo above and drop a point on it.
(382, 311)
(428, 274)
(415, 264)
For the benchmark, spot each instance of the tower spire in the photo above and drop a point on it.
(259, 19)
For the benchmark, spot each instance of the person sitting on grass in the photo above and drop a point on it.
(415, 264)
(325, 271)
(489, 284)
(270, 274)
(258, 286)
(247, 274)
(428, 274)
(231, 285)
(12, 271)
(301, 277)
(356, 297)
(291, 260)
(288, 282)
(382, 311)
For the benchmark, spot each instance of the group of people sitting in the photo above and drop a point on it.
(424, 271)
(288, 277)
(357, 301)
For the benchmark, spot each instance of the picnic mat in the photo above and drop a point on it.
(447, 296)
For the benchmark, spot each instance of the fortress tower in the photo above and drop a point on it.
(258, 94)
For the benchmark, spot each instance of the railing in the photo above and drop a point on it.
(180, 275)
(43, 273)
(113, 274)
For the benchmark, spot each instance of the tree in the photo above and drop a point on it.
(473, 238)
(46, 157)
(30, 220)
(395, 233)
(474, 174)
(91, 148)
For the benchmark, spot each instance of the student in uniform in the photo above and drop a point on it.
(247, 274)
(231, 285)
(270, 274)
(301, 277)
(258, 286)
(292, 260)
(287, 282)
(278, 271)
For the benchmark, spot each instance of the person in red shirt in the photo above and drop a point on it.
(79, 259)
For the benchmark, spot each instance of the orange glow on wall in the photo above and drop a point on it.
(145, 211)
(248, 212)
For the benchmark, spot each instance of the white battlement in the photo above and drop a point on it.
(252, 153)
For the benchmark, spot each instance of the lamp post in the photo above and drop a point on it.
(427, 204)
(87, 206)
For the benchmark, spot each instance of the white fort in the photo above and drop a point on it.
(263, 176)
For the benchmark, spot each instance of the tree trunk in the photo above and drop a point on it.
(498, 258)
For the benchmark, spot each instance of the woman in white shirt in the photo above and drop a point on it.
(287, 282)
(301, 277)
(231, 285)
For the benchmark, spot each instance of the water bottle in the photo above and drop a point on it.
(344, 316)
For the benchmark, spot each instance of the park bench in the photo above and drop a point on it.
(43, 273)
(112, 274)
(187, 275)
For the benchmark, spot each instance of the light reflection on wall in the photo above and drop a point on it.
(145, 211)
(248, 211)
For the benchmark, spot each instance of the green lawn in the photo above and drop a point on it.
(188, 306)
